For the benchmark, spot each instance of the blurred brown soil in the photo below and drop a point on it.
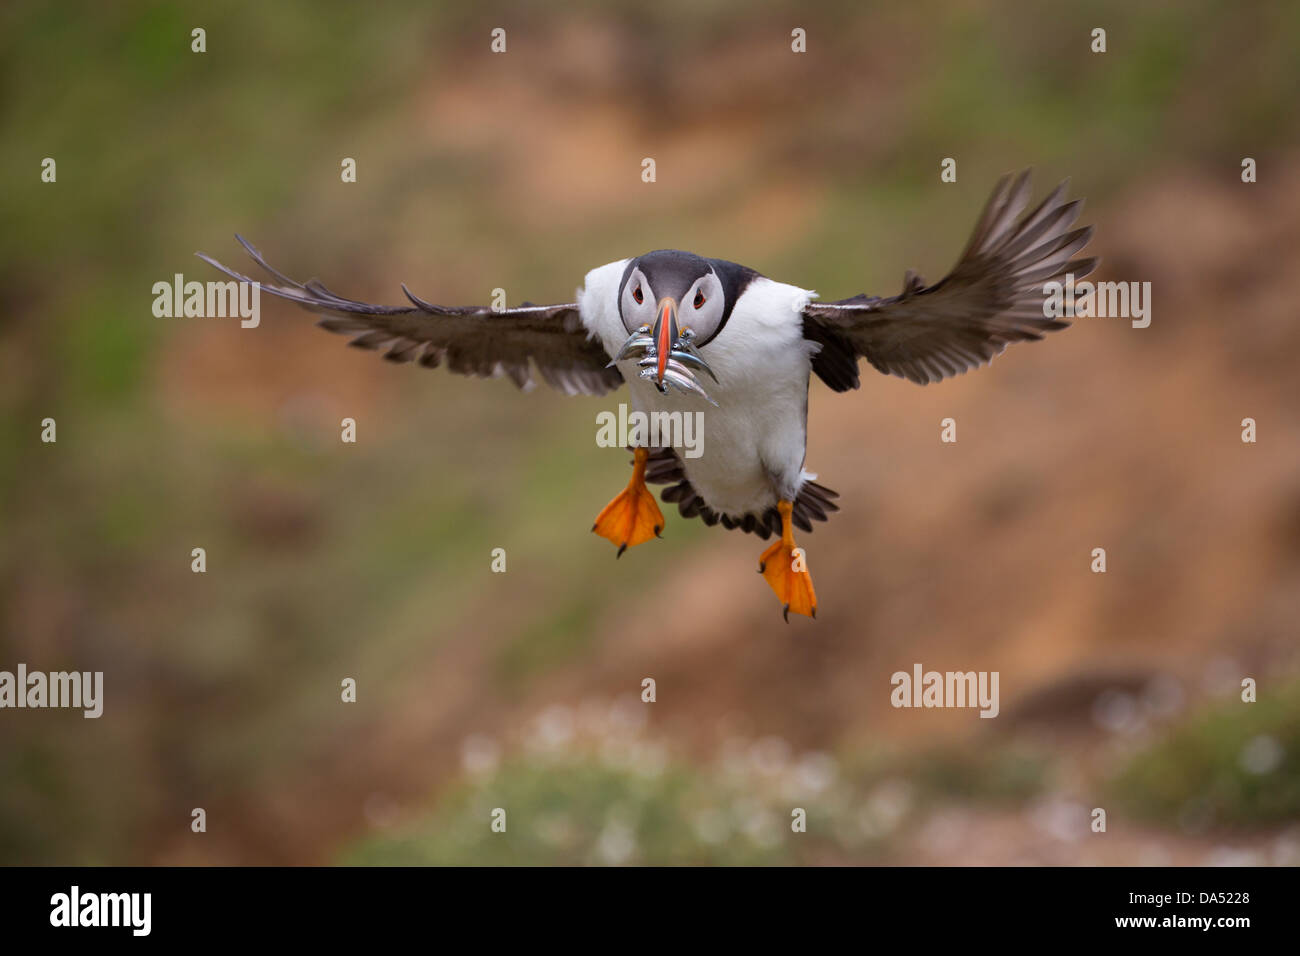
(967, 556)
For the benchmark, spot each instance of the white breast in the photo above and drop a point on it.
(754, 441)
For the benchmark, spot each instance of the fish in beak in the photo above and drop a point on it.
(668, 353)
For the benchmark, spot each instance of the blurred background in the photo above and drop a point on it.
(522, 690)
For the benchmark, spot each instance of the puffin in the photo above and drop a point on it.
(695, 335)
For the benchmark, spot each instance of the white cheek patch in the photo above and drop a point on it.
(704, 320)
(636, 314)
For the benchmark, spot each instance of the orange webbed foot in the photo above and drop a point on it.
(633, 517)
(785, 568)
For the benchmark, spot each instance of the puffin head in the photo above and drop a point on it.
(671, 302)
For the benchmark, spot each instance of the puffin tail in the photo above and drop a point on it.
(813, 503)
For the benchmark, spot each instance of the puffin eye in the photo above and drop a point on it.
(636, 294)
(699, 298)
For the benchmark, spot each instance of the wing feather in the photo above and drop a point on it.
(992, 298)
(469, 340)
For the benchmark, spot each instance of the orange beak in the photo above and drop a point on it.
(665, 333)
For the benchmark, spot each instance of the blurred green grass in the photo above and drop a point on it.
(581, 812)
(614, 798)
(1234, 765)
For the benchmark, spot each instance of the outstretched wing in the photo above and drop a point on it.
(470, 340)
(993, 297)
